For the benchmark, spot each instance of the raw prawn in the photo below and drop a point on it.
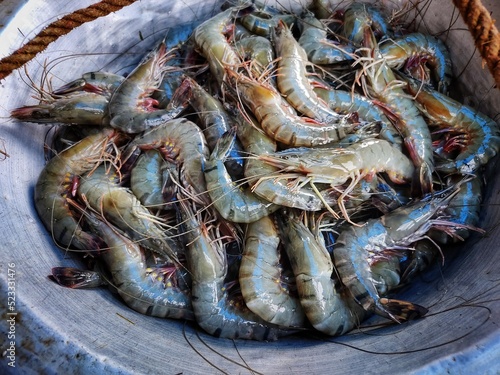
(356, 247)
(319, 49)
(126, 262)
(292, 78)
(328, 310)
(279, 122)
(260, 277)
(131, 108)
(56, 182)
(479, 135)
(179, 140)
(101, 191)
(336, 166)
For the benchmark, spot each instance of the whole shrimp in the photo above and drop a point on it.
(56, 183)
(356, 248)
(232, 202)
(255, 142)
(83, 102)
(319, 49)
(479, 135)
(260, 277)
(403, 112)
(80, 108)
(182, 141)
(337, 165)
(101, 191)
(415, 49)
(126, 262)
(211, 41)
(328, 310)
(277, 120)
(131, 108)
(292, 78)
(213, 309)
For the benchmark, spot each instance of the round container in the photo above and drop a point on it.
(59, 330)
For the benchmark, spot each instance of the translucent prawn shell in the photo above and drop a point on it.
(93, 330)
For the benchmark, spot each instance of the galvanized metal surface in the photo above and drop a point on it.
(74, 331)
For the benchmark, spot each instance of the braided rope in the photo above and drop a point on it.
(56, 29)
(484, 31)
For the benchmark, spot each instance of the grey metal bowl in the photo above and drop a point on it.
(59, 330)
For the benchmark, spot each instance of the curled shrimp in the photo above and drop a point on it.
(214, 311)
(260, 277)
(119, 205)
(479, 135)
(131, 108)
(326, 308)
(404, 113)
(179, 140)
(357, 246)
(416, 49)
(292, 78)
(211, 41)
(337, 165)
(319, 49)
(279, 122)
(232, 202)
(55, 185)
(126, 262)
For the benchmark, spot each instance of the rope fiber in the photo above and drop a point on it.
(486, 36)
(56, 29)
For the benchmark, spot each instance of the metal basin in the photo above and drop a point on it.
(58, 330)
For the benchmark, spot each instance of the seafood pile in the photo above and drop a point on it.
(274, 173)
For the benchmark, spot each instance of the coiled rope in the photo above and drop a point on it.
(56, 29)
(486, 36)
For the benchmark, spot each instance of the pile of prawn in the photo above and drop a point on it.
(274, 173)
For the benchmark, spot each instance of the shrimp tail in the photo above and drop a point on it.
(182, 95)
(32, 113)
(75, 278)
(422, 178)
(422, 181)
(400, 311)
